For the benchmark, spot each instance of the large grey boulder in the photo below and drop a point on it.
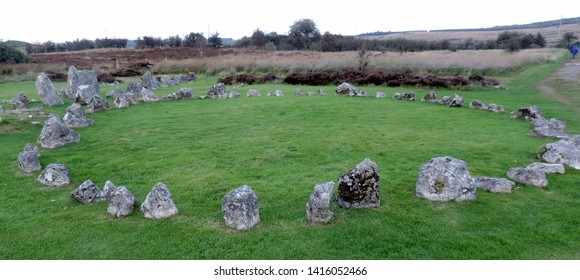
(120, 102)
(565, 151)
(548, 128)
(88, 193)
(166, 81)
(528, 177)
(184, 93)
(76, 79)
(47, 91)
(253, 93)
(380, 94)
(430, 97)
(407, 96)
(56, 134)
(445, 179)
(148, 81)
(456, 101)
(240, 208)
(54, 175)
(527, 113)
(494, 185)
(108, 189)
(134, 87)
(29, 159)
(318, 206)
(159, 204)
(217, 91)
(75, 117)
(346, 89)
(121, 203)
(97, 104)
(359, 187)
(119, 91)
(148, 96)
(85, 93)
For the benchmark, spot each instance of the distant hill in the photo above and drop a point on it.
(19, 45)
(535, 25)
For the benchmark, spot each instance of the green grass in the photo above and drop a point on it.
(282, 147)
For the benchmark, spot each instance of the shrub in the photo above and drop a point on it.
(11, 55)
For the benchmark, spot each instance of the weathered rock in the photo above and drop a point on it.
(529, 177)
(29, 159)
(47, 91)
(148, 81)
(565, 151)
(56, 134)
(134, 87)
(108, 190)
(217, 91)
(76, 79)
(240, 208)
(159, 204)
(359, 187)
(184, 93)
(270, 93)
(88, 193)
(117, 91)
(380, 94)
(234, 94)
(298, 92)
(85, 93)
(548, 168)
(318, 206)
(445, 179)
(346, 89)
(120, 102)
(75, 117)
(527, 113)
(253, 93)
(495, 108)
(494, 185)
(121, 203)
(54, 175)
(97, 104)
(20, 101)
(169, 97)
(444, 100)
(166, 81)
(190, 77)
(320, 92)
(456, 101)
(310, 93)
(148, 96)
(478, 105)
(407, 96)
(430, 97)
(177, 79)
(548, 128)
(278, 93)
(362, 93)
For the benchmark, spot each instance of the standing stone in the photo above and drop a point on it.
(133, 86)
(253, 93)
(97, 104)
(85, 93)
(77, 78)
(56, 134)
(278, 93)
(494, 185)
(380, 94)
(54, 175)
(565, 151)
(359, 187)
(190, 77)
(445, 179)
(217, 91)
(159, 204)
(120, 102)
(20, 101)
(346, 89)
(456, 101)
(430, 97)
(240, 208)
(529, 177)
(234, 94)
(75, 117)
(116, 91)
(478, 105)
(298, 92)
(321, 92)
(166, 81)
(148, 96)
(47, 91)
(495, 108)
(184, 93)
(318, 206)
(121, 203)
(148, 81)
(29, 159)
(88, 193)
(548, 128)
(108, 190)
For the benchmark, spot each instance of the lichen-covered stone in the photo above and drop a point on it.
(318, 206)
(240, 208)
(359, 187)
(445, 179)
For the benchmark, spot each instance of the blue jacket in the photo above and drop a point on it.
(574, 50)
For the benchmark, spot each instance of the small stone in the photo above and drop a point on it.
(159, 204)
(54, 175)
(121, 203)
(548, 168)
(88, 193)
(29, 159)
(318, 206)
(494, 185)
(529, 177)
(240, 208)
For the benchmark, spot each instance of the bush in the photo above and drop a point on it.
(12, 55)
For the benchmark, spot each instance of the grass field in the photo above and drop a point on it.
(282, 147)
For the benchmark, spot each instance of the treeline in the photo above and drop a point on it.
(9, 54)
(77, 45)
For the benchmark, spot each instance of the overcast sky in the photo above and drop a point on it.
(66, 20)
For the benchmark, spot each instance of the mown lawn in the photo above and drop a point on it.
(282, 147)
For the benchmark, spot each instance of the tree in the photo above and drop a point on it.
(258, 39)
(540, 40)
(215, 41)
(11, 55)
(193, 40)
(174, 41)
(303, 33)
(329, 43)
(567, 39)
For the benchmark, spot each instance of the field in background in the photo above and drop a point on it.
(282, 147)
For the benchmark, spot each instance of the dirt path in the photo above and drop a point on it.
(566, 78)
